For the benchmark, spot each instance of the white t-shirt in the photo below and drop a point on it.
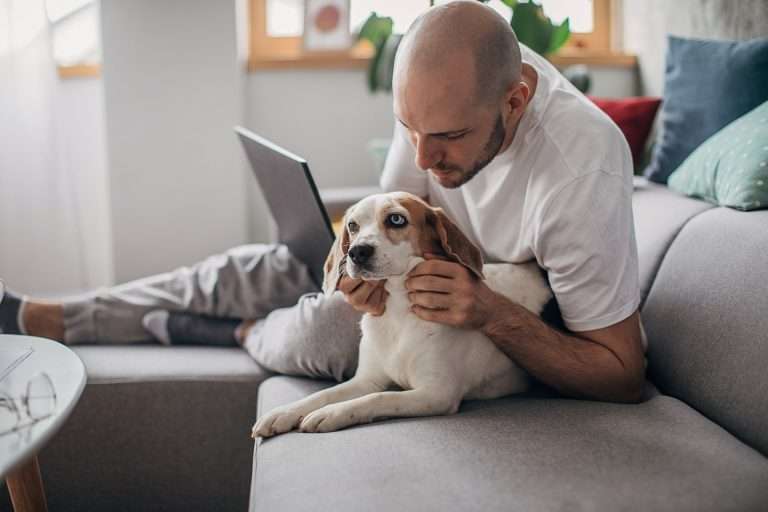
(561, 194)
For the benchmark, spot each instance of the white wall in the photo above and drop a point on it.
(614, 82)
(54, 228)
(326, 116)
(165, 180)
(83, 145)
(647, 22)
(173, 90)
(329, 116)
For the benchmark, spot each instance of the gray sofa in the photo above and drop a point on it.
(163, 428)
(697, 442)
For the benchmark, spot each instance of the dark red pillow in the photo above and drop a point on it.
(634, 116)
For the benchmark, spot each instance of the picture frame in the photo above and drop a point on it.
(326, 26)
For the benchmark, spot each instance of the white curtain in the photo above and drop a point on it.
(42, 223)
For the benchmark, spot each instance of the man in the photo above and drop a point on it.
(524, 164)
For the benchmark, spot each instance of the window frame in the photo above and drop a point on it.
(265, 52)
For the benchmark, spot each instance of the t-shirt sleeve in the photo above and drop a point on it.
(586, 243)
(400, 170)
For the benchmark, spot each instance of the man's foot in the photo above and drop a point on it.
(10, 307)
(172, 328)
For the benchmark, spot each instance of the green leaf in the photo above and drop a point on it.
(376, 29)
(510, 3)
(559, 36)
(386, 62)
(373, 68)
(532, 27)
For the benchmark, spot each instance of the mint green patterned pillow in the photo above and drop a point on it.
(731, 167)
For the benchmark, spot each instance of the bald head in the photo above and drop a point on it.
(462, 37)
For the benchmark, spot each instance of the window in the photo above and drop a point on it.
(277, 25)
(75, 36)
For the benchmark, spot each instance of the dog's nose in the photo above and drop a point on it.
(361, 253)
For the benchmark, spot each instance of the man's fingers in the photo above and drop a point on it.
(428, 283)
(431, 315)
(368, 290)
(378, 301)
(430, 300)
(437, 268)
(348, 285)
(360, 294)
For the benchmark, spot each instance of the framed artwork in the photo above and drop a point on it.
(326, 25)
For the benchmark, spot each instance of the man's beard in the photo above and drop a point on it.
(490, 150)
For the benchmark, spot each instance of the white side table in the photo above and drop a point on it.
(22, 358)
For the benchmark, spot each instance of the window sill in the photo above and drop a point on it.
(569, 57)
(358, 58)
(81, 71)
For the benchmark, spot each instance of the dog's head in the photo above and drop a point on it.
(382, 233)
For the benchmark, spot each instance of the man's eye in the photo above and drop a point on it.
(454, 136)
(352, 227)
(396, 220)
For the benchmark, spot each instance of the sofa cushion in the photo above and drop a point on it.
(731, 167)
(659, 215)
(516, 453)
(707, 85)
(157, 428)
(157, 363)
(706, 321)
(634, 116)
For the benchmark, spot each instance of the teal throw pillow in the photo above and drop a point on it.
(731, 167)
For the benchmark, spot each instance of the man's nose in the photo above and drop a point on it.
(361, 253)
(427, 154)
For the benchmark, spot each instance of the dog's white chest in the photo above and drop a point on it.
(400, 341)
(409, 351)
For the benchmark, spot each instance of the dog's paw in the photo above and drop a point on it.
(276, 421)
(329, 418)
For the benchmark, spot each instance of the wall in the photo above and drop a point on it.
(54, 227)
(646, 23)
(83, 145)
(326, 116)
(329, 116)
(173, 91)
(161, 179)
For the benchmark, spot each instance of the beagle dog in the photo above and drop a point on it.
(408, 366)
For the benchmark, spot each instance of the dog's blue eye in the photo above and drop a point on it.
(396, 220)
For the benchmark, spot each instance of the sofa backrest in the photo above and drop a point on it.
(706, 318)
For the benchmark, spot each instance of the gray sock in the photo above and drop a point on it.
(10, 305)
(172, 328)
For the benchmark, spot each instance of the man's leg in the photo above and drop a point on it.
(245, 282)
(318, 337)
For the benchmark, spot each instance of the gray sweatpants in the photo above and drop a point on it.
(299, 330)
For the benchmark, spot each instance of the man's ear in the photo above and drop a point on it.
(456, 246)
(337, 258)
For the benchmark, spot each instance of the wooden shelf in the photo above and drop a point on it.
(359, 58)
(81, 71)
(568, 57)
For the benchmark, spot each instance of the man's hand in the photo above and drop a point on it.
(365, 296)
(448, 293)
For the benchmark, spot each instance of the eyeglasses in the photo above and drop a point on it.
(37, 404)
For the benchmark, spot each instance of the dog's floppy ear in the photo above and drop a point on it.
(337, 258)
(456, 246)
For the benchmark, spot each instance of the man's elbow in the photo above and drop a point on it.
(629, 388)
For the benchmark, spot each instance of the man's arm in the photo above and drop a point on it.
(604, 364)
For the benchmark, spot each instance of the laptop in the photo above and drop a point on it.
(302, 220)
